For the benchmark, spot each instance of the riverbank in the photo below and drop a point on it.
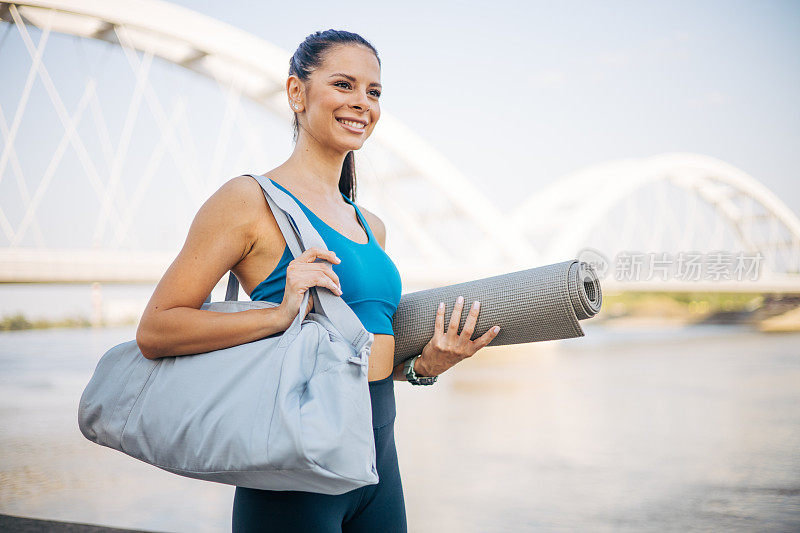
(768, 313)
(18, 322)
(772, 312)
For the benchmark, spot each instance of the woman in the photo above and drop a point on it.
(334, 90)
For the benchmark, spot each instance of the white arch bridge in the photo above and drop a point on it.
(102, 169)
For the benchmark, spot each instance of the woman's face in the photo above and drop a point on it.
(346, 87)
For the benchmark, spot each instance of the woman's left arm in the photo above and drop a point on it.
(444, 350)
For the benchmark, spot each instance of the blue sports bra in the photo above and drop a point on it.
(370, 281)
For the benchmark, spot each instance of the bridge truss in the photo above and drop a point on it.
(133, 176)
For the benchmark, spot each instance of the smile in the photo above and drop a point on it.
(351, 125)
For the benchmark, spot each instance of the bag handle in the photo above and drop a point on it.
(300, 235)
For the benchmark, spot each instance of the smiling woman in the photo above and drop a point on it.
(351, 69)
(334, 89)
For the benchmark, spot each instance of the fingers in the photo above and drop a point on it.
(319, 279)
(486, 338)
(319, 273)
(311, 255)
(301, 276)
(327, 270)
(439, 323)
(472, 318)
(323, 280)
(455, 318)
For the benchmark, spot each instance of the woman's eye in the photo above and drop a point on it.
(341, 83)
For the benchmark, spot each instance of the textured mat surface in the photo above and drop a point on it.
(537, 304)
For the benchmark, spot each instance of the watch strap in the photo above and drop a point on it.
(412, 376)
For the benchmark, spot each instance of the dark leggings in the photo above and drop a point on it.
(379, 507)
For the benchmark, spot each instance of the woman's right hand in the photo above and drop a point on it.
(304, 272)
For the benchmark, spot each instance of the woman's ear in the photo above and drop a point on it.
(294, 90)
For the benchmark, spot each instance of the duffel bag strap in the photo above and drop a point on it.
(301, 235)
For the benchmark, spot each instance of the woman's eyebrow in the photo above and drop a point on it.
(351, 78)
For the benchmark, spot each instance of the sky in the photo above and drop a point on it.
(516, 94)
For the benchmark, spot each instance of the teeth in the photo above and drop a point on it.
(352, 124)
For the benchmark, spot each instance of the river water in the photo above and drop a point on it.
(626, 429)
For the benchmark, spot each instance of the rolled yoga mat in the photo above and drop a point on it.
(539, 304)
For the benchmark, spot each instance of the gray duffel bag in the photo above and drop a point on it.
(291, 411)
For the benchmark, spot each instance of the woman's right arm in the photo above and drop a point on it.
(221, 235)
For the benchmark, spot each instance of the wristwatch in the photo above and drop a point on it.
(413, 378)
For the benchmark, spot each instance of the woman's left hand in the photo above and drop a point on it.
(444, 350)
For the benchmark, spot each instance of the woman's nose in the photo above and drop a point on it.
(361, 103)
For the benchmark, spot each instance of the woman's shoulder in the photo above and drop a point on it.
(375, 224)
(241, 185)
(244, 195)
(243, 199)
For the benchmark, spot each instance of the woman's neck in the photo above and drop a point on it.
(314, 169)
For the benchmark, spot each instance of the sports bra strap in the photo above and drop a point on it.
(300, 235)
